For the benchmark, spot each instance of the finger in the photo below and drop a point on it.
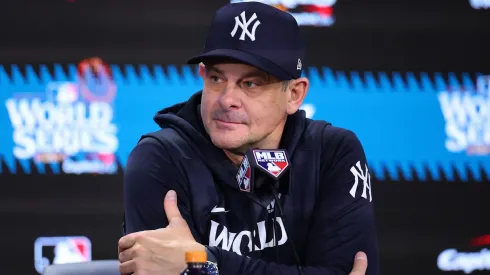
(170, 206)
(128, 267)
(360, 264)
(126, 242)
(128, 254)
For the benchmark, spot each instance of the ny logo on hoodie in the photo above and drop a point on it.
(366, 180)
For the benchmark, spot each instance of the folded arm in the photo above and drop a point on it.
(343, 223)
(148, 177)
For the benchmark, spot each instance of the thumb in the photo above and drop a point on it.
(360, 264)
(172, 210)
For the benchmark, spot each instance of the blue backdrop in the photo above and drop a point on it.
(410, 124)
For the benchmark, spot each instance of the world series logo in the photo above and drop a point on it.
(70, 122)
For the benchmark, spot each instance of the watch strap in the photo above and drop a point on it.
(211, 254)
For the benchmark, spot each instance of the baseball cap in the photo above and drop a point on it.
(256, 34)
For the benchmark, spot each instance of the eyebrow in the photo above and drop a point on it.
(255, 73)
(214, 69)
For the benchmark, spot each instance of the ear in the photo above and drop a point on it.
(202, 70)
(297, 91)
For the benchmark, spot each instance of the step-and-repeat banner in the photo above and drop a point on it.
(412, 125)
(418, 130)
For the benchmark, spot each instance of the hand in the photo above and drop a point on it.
(360, 264)
(160, 251)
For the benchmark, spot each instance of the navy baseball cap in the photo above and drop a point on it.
(256, 34)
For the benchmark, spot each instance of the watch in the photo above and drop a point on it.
(211, 266)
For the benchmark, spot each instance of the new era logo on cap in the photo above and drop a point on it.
(256, 34)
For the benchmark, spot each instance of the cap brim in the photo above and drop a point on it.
(244, 57)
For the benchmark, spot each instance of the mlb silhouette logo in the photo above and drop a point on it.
(62, 92)
(61, 250)
(273, 162)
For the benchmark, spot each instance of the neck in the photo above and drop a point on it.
(234, 157)
(272, 141)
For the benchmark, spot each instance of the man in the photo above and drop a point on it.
(251, 67)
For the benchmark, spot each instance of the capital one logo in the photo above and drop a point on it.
(243, 23)
(453, 260)
(365, 177)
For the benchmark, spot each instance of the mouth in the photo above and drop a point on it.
(226, 123)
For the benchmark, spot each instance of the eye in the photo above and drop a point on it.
(215, 79)
(249, 84)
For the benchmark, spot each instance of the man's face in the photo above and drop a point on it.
(242, 107)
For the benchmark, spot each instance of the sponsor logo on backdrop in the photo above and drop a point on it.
(61, 250)
(306, 12)
(467, 116)
(70, 122)
(480, 4)
(467, 261)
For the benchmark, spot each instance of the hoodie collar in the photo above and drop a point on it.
(185, 118)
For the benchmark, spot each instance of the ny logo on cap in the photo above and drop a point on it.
(243, 24)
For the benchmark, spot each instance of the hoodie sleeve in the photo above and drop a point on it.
(149, 175)
(343, 223)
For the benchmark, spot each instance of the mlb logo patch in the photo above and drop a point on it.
(273, 162)
(61, 250)
(244, 174)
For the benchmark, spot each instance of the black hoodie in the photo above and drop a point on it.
(328, 213)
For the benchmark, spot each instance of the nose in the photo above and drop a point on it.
(230, 97)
